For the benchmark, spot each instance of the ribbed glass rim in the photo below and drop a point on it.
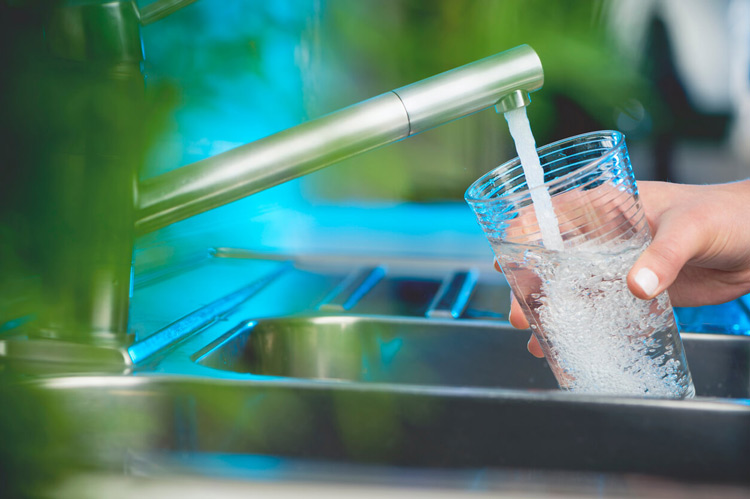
(618, 137)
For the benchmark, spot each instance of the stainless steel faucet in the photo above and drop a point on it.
(504, 79)
(106, 34)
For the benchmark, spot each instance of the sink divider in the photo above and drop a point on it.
(451, 299)
(352, 289)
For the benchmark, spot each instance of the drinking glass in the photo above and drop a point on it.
(596, 336)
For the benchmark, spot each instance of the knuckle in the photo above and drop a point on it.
(667, 252)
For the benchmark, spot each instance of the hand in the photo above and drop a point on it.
(701, 247)
(700, 251)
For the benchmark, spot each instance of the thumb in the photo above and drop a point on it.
(674, 244)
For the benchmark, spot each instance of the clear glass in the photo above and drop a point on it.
(596, 336)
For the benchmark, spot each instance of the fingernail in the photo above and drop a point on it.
(647, 281)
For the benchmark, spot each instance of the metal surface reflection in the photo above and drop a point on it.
(400, 350)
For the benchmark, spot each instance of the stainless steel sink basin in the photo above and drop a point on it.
(438, 353)
(450, 393)
(381, 350)
(120, 422)
(416, 393)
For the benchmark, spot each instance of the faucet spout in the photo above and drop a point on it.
(502, 79)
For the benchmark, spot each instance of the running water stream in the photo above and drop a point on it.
(520, 130)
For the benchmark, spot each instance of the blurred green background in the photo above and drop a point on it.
(246, 69)
(295, 60)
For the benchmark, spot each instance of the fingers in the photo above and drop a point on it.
(497, 265)
(518, 320)
(516, 317)
(674, 244)
(535, 348)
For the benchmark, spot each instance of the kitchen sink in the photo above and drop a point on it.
(414, 393)
(365, 407)
(442, 384)
(481, 354)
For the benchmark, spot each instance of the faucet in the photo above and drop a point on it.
(104, 36)
(503, 80)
